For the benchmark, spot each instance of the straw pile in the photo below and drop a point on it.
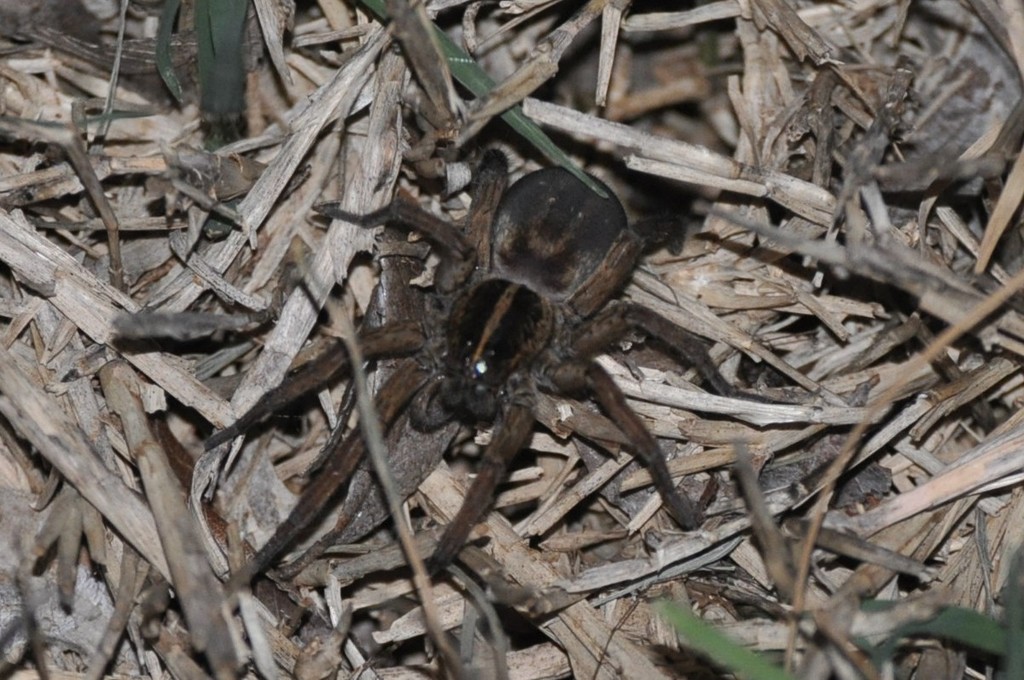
(848, 175)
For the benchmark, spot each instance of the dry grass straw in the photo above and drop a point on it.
(858, 261)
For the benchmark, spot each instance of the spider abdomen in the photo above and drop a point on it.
(552, 232)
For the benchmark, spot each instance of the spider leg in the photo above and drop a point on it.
(510, 436)
(411, 454)
(616, 268)
(489, 186)
(617, 320)
(397, 338)
(458, 252)
(338, 466)
(404, 210)
(590, 376)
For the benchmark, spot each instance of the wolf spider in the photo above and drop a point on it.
(523, 299)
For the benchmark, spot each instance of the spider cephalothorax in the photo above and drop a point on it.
(548, 237)
(525, 299)
(495, 329)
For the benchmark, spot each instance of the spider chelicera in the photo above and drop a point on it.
(523, 303)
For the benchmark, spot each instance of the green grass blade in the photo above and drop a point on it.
(731, 656)
(163, 48)
(959, 625)
(465, 70)
(968, 627)
(220, 31)
(1012, 597)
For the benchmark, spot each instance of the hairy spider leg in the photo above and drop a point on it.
(405, 210)
(511, 434)
(393, 339)
(612, 324)
(338, 466)
(589, 376)
(606, 328)
(487, 190)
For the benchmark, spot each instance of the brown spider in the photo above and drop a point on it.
(523, 302)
